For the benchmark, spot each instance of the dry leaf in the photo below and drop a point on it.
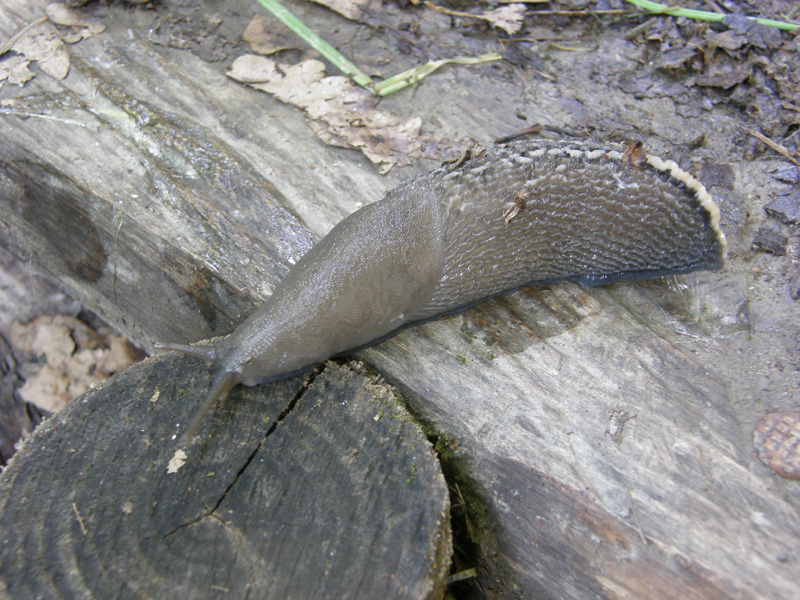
(350, 9)
(265, 35)
(15, 69)
(342, 113)
(43, 45)
(75, 358)
(82, 27)
(40, 43)
(47, 390)
(507, 17)
(176, 462)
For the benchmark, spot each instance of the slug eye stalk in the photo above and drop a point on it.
(207, 353)
(222, 384)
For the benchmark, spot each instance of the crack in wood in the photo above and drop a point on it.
(312, 375)
(283, 414)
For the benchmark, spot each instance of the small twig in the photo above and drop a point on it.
(80, 519)
(383, 88)
(544, 38)
(774, 145)
(594, 48)
(462, 575)
(10, 43)
(448, 11)
(641, 28)
(715, 7)
(457, 13)
(466, 511)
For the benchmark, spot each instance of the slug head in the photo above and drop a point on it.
(224, 379)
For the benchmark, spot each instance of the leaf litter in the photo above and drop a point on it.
(508, 17)
(267, 36)
(342, 113)
(38, 43)
(71, 358)
(41, 42)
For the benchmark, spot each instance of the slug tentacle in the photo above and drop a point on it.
(207, 352)
(222, 384)
(524, 212)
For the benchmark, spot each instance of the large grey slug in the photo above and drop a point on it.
(527, 211)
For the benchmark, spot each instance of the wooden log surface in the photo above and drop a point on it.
(601, 437)
(278, 501)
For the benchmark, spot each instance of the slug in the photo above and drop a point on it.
(524, 212)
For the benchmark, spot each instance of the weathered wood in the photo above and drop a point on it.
(610, 455)
(601, 437)
(278, 498)
(104, 237)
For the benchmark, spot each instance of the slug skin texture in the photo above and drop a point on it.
(524, 212)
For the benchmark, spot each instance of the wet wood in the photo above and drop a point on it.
(596, 435)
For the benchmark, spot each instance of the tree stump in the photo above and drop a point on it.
(314, 487)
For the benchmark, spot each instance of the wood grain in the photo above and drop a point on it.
(315, 487)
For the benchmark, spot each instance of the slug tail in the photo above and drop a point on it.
(222, 384)
(207, 353)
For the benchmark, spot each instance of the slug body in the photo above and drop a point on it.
(528, 211)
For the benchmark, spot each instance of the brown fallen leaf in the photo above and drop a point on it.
(266, 35)
(82, 27)
(342, 113)
(73, 358)
(40, 43)
(507, 17)
(355, 11)
(14, 69)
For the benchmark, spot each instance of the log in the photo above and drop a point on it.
(600, 440)
(105, 237)
(277, 499)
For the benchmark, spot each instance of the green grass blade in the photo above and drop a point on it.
(384, 88)
(412, 76)
(316, 42)
(702, 15)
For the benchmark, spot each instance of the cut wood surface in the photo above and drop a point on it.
(599, 439)
(280, 500)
